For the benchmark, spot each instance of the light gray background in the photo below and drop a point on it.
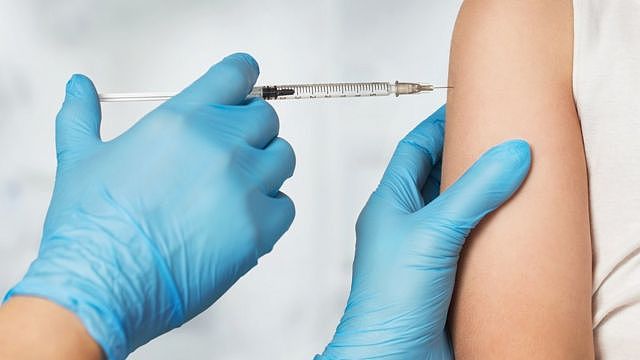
(289, 306)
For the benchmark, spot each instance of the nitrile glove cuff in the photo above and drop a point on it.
(99, 321)
(107, 296)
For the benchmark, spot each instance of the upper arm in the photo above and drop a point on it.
(524, 283)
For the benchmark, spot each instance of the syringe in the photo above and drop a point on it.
(303, 91)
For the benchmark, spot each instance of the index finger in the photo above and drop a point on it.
(226, 83)
(413, 160)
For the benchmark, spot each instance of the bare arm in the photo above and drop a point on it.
(524, 285)
(32, 328)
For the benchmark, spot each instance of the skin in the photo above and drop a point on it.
(523, 289)
(33, 328)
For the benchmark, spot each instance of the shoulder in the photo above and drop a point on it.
(533, 38)
(517, 10)
(528, 20)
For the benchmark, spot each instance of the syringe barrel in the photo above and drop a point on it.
(330, 90)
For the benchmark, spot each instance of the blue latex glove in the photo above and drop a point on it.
(146, 231)
(408, 243)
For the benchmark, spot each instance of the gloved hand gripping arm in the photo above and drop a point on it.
(408, 242)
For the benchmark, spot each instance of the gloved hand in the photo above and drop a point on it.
(408, 243)
(146, 231)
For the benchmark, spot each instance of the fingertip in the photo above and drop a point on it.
(502, 168)
(259, 102)
(253, 101)
(513, 154)
(80, 85)
(276, 163)
(412, 163)
(80, 77)
(277, 222)
(289, 207)
(440, 115)
(429, 137)
(227, 82)
(245, 58)
(246, 65)
(262, 125)
(286, 149)
(520, 148)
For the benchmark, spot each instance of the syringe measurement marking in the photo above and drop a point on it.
(330, 90)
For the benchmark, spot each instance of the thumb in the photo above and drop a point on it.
(491, 181)
(78, 122)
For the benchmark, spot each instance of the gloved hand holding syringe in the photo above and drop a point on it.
(302, 91)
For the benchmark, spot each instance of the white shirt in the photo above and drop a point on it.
(607, 92)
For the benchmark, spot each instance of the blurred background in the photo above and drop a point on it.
(289, 305)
